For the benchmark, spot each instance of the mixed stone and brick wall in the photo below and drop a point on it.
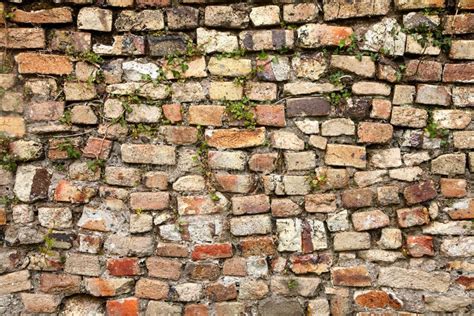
(206, 157)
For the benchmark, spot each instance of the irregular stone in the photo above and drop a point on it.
(413, 279)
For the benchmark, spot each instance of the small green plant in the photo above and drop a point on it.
(316, 181)
(241, 110)
(434, 131)
(66, 118)
(2, 92)
(95, 164)
(425, 34)
(91, 57)
(7, 161)
(143, 130)
(236, 54)
(138, 211)
(349, 46)
(8, 201)
(292, 284)
(70, 149)
(338, 98)
(214, 196)
(48, 240)
(400, 71)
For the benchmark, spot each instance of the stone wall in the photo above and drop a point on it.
(206, 157)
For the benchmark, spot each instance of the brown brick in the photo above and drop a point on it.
(219, 292)
(206, 115)
(149, 200)
(235, 138)
(257, 246)
(172, 250)
(53, 283)
(98, 148)
(203, 271)
(235, 266)
(309, 106)
(346, 155)
(48, 16)
(453, 188)
(424, 71)
(154, 3)
(369, 220)
(40, 303)
(374, 133)
(265, 163)
(459, 23)
(421, 192)
(45, 111)
(196, 310)
(22, 38)
(151, 289)
(252, 204)
(270, 115)
(31, 63)
(357, 198)
(463, 213)
(180, 135)
(172, 112)
(12, 126)
(459, 73)
(356, 276)
(163, 268)
(413, 217)
(377, 299)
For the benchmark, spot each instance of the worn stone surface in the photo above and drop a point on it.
(198, 157)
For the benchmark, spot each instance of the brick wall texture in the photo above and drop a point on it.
(208, 157)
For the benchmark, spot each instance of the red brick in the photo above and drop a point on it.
(413, 217)
(369, 220)
(257, 246)
(196, 310)
(419, 246)
(172, 112)
(123, 266)
(108, 286)
(236, 183)
(45, 111)
(48, 16)
(123, 307)
(98, 148)
(351, 276)
(180, 135)
(149, 200)
(53, 283)
(377, 299)
(206, 115)
(453, 188)
(156, 179)
(3, 216)
(31, 63)
(265, 163)
(270, 115)
(219, 292)
(172, 250)
(316, 35)
(357, 198)
(163, 268)
(212, 251)
(22, 38)
(420, 192)
(151, 289)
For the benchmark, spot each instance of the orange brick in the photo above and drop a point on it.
(47, 64)
(123, 307)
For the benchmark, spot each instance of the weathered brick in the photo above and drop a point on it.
(364, 67)
(307, 107)
(453, 188)
(15, 282)
(22, 38)
(151, 289)
(413, 279)
(235, 138)
(340, 9)
(317, 35)
(31, 63)
(449, 164)
(206, 115)
(235, 16)
(458, 24)
(123, 266)
(212, 251)
(123, 306)
(357, 276)
(419, 246)
(374, 133)
(96, 19)
(463, 140)
(344, 241)
(462, 49)
(148, 154)
(459, 73)
(47, 16)
(369, 220)
(250, 225)
(425, 71)
(108, 286)
(300, 12)
(163, 268)
(146, 20)
(346, 155)
(214, 41)
(433, 95)
(412, 217)
(149, 200)
(40, 303)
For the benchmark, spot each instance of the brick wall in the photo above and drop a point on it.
(236, 158)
